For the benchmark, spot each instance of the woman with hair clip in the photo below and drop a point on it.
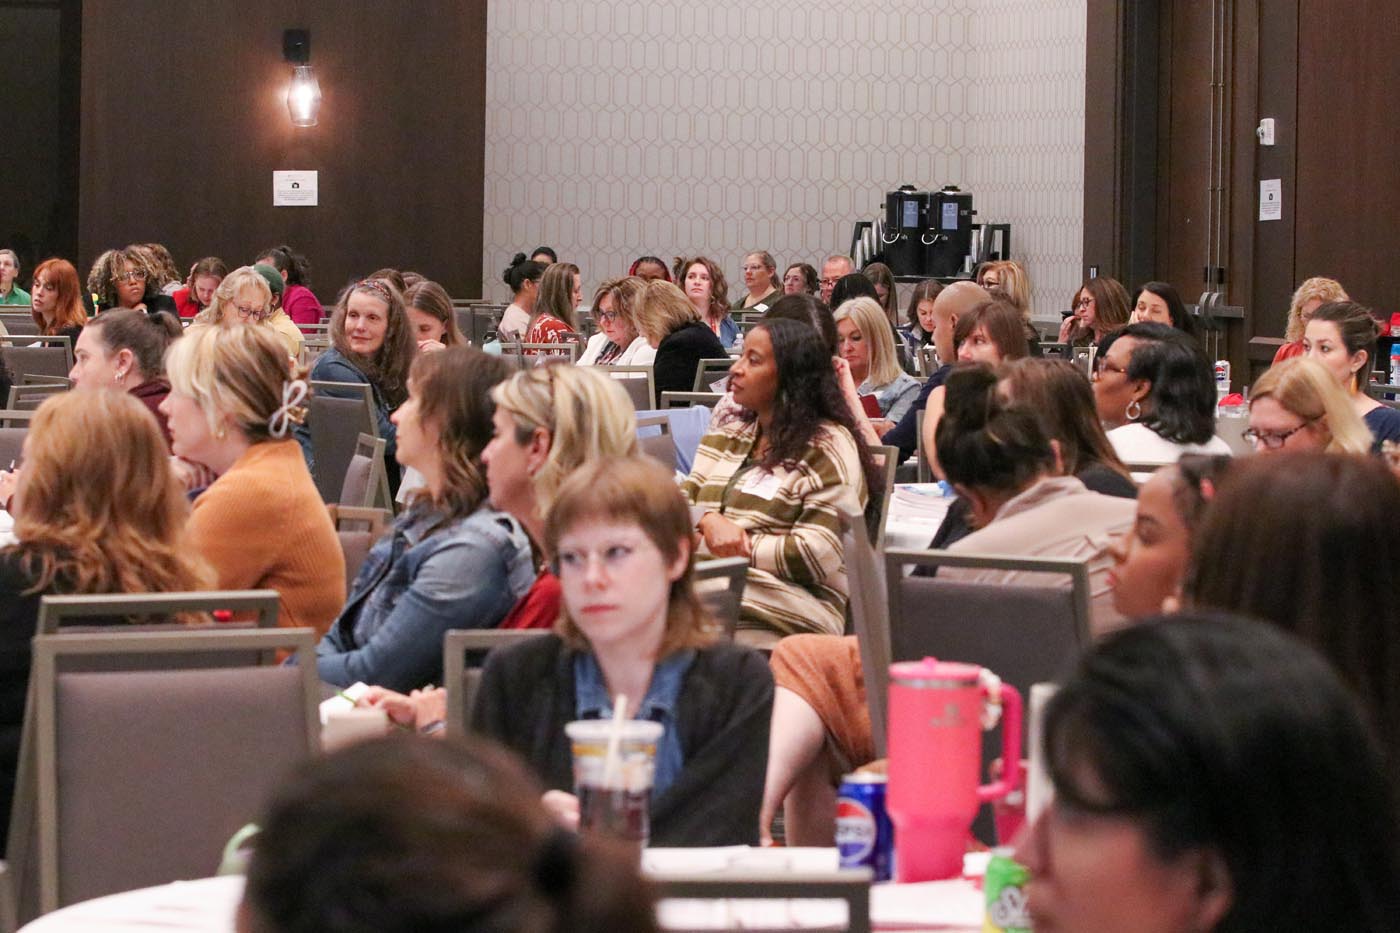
(649, 269)
(124, 278)
(1307, 541)
(199, 287)
(1297, 405)
(522, 277)
(371, 343)
(402, 835)
(97, 510)
(1213, 775)
(555, 319)
(1101, 306)
(1311, 295)
(633, 631)
(1341, 335)
(618, 341)
(301, 305)
(769, 485)
(431, 317)
(1169, 387)
(548, 422)
(56, 298)
(450, 560)
(125, 350)
(261, 524)
(705, 288)
(760, 281)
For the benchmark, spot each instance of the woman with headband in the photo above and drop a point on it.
(261, 525)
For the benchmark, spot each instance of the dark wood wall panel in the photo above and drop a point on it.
(179, 141)
(1349, 147)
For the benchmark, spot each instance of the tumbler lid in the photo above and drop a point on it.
(931, 672)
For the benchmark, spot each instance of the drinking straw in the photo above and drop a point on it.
(611, 763)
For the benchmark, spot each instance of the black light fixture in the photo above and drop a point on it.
(304, 93)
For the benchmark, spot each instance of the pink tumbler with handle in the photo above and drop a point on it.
(935, 756)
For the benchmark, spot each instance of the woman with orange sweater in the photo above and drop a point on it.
(261, 524)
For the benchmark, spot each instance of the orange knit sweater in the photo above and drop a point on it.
(262, 525)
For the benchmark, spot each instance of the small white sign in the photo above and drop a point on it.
(1271, 199)
(293, 189)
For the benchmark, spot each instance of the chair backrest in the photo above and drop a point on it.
(312, 348)
(654, 439)
(1055, 351)
(210, 745)
(709, 372)
(925, 470)
(887, 461)
(48, 359)
(870, 620)
(462, 679)
(1024, 633)
(357, 529)
(11, 443)
(720, 585)
(928, 359)
(19, 325)
(29, 397)
(1083, 357)
(537, 353)
(14, 418)
(849, 885)
(687, 399)
(58, 612)
(640, 383)
(336, 425)
(366, 485)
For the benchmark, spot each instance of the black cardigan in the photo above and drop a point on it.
(679, 354)
(527, 696)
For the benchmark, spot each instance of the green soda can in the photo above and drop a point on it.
(1005, 887)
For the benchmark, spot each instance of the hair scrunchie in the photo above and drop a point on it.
(554, 868)
(290, 412)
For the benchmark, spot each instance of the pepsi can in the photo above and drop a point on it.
(864, 834)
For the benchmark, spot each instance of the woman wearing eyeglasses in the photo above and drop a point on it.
(1101, 306)
(618, 341)
(244, 297)
(123, 278)
(1297, 405)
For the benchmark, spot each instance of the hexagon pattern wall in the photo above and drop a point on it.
(621, 127)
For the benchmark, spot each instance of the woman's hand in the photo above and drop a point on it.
(848, 389)
(563, 807)
(419, 709)
(1067, 328)
(724, 538)
(431, 346)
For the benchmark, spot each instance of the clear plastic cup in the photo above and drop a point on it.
(615, 803)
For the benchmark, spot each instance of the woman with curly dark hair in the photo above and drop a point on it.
(770, 482)
(126, 278)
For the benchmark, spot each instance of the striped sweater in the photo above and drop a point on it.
(797, 574)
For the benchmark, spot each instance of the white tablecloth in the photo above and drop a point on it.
(7, 529)
(208, 905)
(916, 511)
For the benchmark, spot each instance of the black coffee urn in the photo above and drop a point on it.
(947, 239)
(906, 220)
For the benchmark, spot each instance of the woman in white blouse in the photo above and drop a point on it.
(617, 342)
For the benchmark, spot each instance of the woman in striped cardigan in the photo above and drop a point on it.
(770, 483)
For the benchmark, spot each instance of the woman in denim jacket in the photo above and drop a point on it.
(451, 560)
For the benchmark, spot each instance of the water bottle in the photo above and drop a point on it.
(1394, 366)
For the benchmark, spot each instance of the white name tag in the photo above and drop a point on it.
(761, 483)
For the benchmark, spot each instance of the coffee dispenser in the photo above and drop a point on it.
(906, 221)
(947, 240)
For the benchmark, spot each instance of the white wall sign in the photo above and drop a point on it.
(293, 189)
(1271, 199)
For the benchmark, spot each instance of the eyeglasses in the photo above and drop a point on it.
(825, 283)
(1084, 301)
(607, 316)
(136, 275)
(254, 313)
(1273, 440)
(1104, 365)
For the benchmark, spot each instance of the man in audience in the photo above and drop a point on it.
(955, 300)
(10, 292)
(832, 270)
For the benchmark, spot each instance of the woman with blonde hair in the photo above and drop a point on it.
(450, 560)
(554, 319)
(618, 341)
(261, 524)
(115, 525)
(1297, 405)
(548, 422)
(672, 327)
(244, 297)
(1311, 295)
(866, 342)
(704, 286)
(634, 636)
(56, 298)
(1008, 278)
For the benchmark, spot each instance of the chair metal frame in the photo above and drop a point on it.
(537, 353)
(707, 369)
(624, 374)
(455, 645)
(851, 885)
(32, 341)
(377, 483)
(888, 458)
(688, 399)
(54, 610)
(50, 649)
(869, 607)
(735, 572)
(660, 446)
(925, 468)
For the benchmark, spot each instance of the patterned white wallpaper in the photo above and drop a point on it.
(620, 127)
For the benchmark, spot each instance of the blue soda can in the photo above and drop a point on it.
(864, 834)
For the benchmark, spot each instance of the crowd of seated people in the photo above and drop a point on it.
(529, 504)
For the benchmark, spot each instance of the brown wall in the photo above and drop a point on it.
(184, 121)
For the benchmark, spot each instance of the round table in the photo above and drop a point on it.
(207, 905)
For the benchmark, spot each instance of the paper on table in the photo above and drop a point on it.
(955, 904)
(344, 699)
